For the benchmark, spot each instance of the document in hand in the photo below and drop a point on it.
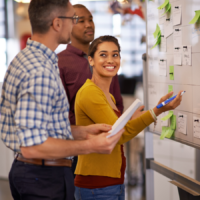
(121, 122)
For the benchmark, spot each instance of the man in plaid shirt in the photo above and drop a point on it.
(34, 111)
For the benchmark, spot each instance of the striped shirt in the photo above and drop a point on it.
(33, 103)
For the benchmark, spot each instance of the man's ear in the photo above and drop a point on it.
(57, 24)
(91, 61)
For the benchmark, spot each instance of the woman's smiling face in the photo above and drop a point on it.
(106, 61)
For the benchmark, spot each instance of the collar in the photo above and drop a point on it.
(74, 50)
(48, 53)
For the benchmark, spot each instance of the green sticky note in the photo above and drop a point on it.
(168, 8)
(196, 17)
(155, 34)
(173, 122)
(170, 88)
(171, 72)
(163, 5)
(157, 43)
(167, 116)
(169, 133)
(164, 132)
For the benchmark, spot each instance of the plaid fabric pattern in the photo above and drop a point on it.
(33, 104)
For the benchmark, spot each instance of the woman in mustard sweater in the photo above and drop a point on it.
(100, 176)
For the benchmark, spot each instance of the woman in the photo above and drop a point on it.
(101, 176)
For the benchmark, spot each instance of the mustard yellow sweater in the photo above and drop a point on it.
(92, 107)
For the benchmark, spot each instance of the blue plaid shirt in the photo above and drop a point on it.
(33, 104)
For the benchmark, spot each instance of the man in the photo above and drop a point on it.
(74, 66)
(34, 111)
(73, 63)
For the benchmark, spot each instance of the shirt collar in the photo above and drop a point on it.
(48, 53)
(74, 50)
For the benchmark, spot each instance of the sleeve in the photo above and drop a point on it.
(97, 109)
(33, 109)
(115, 91)
(95, 106)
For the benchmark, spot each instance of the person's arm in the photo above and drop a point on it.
(115, 91)
(57, 148)
(98, 110)
(84, 132)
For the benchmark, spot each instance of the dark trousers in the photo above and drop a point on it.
(32, 182)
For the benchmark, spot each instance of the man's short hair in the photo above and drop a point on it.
(79, 6)
(42, 13)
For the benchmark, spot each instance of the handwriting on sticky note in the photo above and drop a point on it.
(163, 67)
(196, 127)
(187, 55)
(196, 17)
(177, 13)
(182, 123)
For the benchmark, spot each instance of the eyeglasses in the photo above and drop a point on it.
(74, 19)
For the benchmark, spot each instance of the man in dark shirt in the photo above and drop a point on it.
(73, 63)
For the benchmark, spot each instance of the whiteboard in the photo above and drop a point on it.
(186, 77)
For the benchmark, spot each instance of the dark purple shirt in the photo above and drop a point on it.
(74, 71)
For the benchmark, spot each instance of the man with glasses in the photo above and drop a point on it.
(73, 63)
(34, 111)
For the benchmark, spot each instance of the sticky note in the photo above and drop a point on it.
(156, 33)
(168, 8)
(169, 133)
(168, 116)
(173, 122)
(157, 43)
(163, 5)
(164, 132)
(170, 88)
(171, 72)
(196, 17)
(166, 122)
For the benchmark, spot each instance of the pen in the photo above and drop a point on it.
(168, 100)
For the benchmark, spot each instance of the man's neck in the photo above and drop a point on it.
(81, 46)
(44, 39)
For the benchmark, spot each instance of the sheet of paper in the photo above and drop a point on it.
(196, 127)
(187, 55)
(196, 17)
(177, 36)
(163, 68)
(163, 44)
(171, 72)
(182, 123)
(177, 14)
(121, 122)
(162, 16)
(177, 56)
(166, 122)
(168, 27)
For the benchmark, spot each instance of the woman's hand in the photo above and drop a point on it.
(170, 106)
(138, 113)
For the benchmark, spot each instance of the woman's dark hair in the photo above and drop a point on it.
(42, 13)
(107, 38)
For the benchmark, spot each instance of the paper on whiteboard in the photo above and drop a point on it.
(187, 55)
(162, 68)
(182, 123)
(196, 127)
(121, 122)
(177, 37)
(177, 10)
